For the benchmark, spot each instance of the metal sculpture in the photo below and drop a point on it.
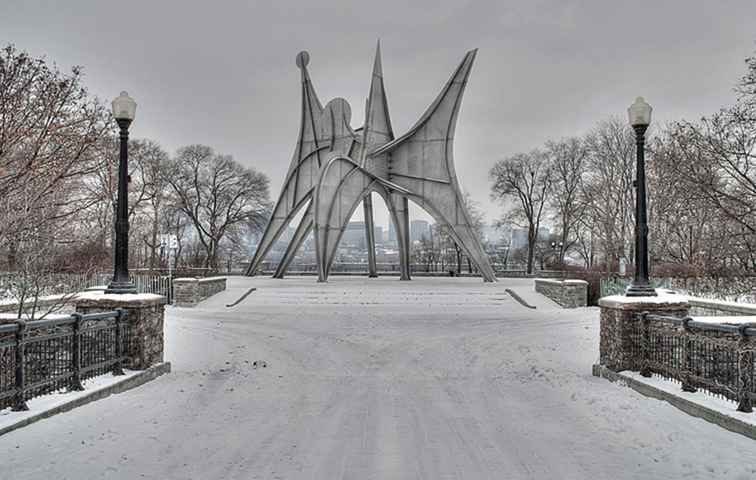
(334, 168)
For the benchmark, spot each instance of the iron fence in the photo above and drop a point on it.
(618, 285)
(43, 356)
(715, 357)
(69, 283)
(268, 268)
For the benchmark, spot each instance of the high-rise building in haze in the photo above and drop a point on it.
(378, 234)
(354, 234)
(418, 229)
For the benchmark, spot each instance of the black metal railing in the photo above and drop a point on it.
(43, 356)
(268, 268)
(715, 357)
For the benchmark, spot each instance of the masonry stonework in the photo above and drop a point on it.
(617, 322)
(567, 293)
(145, 319)
(188, 292)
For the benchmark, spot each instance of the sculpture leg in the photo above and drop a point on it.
(367, 203)
(304, 228)
(462, 233)
(399, 208)
(282, 217)
(341, 187)
(467, 240)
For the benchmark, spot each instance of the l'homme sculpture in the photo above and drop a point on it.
(334, 168)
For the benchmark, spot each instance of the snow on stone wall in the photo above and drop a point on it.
(567, 293)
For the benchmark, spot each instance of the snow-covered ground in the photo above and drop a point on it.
(55, 399)
(378, 379)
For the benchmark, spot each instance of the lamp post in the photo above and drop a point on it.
(124, 108)
(639, 115)
(557, 247)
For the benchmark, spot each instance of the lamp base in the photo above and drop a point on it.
(640, 290)
(121, 288)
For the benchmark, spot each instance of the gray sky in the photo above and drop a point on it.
(223, 73)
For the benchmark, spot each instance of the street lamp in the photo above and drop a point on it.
(557, 248)
(124, 108)
(639, 115)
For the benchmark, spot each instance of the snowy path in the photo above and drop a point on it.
(378, 379)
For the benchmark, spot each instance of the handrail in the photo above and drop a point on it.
(57, 322)
(695, 359)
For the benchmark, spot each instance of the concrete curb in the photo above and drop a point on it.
(126, 384)
(519, 299)
(691, 408)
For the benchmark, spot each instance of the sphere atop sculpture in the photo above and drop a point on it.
(303, 58)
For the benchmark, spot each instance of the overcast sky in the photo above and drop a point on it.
(223, 73)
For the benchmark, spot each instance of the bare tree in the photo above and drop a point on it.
(150, 164)
(568, 160)
(719, 157)
(526, 180)
(49, 128)
(217, 195)
(747, 85)
(608, 188)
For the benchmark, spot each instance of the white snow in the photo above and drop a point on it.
(663, 296)
(725, 305)
(561, 282)
(733, 320)
(42, 299)
(125, 297)
(52, 400)
(378, 379)
(11, 317)
(701, 397)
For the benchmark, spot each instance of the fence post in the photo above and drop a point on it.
(76, 353)
(118, 365)
(745, 371)
(687, 386)
(645, 370)
(20, 400)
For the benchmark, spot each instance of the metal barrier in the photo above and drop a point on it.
(716, 357)
(269, 268)
(42, 356)
(70, 283)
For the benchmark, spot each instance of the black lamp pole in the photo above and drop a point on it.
(640, 286)
(121, 282)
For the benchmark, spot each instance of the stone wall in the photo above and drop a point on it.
(188, 292)
(145, 319)
(618, 324)
(567, 293)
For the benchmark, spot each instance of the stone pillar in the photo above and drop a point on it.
(617, 319)
(185, 292)
(145, 319)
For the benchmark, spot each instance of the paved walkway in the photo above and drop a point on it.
(437, 378)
